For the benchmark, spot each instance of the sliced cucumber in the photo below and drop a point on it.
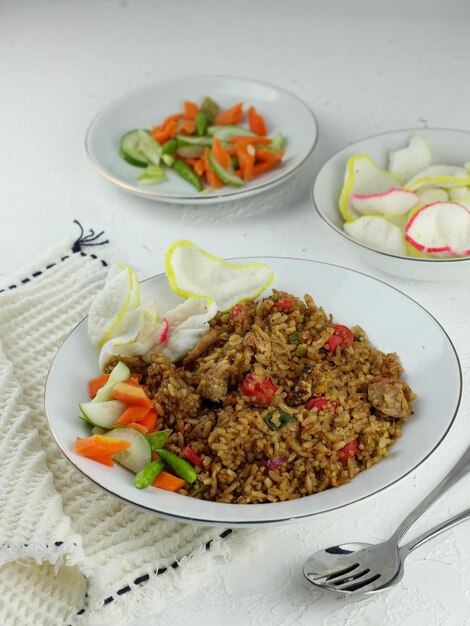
(119, 374)
(168, 159)
(139, 148)
(191, 152)
(138, 455)
(278, 143)
(224, 133)
(183, 140)
(130, 151)
(150, 148)
(151, 174)
(225, 175)
(103, 414)
(84, 418)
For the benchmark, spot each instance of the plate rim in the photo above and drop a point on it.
(343, 234)
(200, 198)
(279, 520)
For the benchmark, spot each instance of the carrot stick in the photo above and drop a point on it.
(190, 110)
(230, 116)
(131, 394)
(169, 482)
(105, 460)
(220, 154)
(96, 383)
(269, 156)
(256, 122)
(187, 127)
(199, 167)
(149, 422)
(261, 168)
(98, 446)
(132, 414)
(191, 162)
(252, 140)
(212, 178)
(140, 427)
(246, 159)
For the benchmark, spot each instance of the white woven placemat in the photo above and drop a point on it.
(68, 551)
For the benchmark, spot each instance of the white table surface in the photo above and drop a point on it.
(364, 66)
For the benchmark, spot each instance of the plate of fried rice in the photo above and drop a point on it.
(324, 390)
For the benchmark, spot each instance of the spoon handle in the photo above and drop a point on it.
(459, 470)
(433, 532)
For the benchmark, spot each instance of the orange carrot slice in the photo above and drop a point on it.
(96, 383)
(169, 482)
(246, 159)
(132, 414)
(261, 168)
(131, 394)
(253, 140)
(256, 122)
(268, 156)
(220, 154)
(140, 427)
(164, 133)
(135, 378)
(149, 421)
(230, 116)
(199, 167)
(190, 110)
(191, 162)
(212, 178)
(187, 127)
(98, 446)
(105, 460)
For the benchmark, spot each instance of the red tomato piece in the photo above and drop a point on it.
(262, 389)
(320, 403)
(237, 309)
(284, 304)
(191, 456)
(349, 450)
(342, 336)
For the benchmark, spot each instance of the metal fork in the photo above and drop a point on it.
(365, 568)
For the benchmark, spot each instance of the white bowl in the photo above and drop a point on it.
(149, 105)
(393, 322)
(448, 147)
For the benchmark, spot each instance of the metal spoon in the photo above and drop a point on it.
(365, 568)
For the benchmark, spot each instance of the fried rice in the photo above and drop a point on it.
(273, 406)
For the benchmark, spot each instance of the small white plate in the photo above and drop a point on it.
(449, 147)
(394, 323)
(150, 105)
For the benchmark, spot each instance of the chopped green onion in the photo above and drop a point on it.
(284, 418)
(293, 337)
(275, 297)
(301, 350)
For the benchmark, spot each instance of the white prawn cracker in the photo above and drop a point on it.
(193, 272)
(186, 324)
(406, 163)
(429, 195)
(392, 202)
(445, 176)
(440, 228)
(377, 232)
(363, 177)
(120, 294)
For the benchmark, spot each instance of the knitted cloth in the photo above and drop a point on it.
(69, 553)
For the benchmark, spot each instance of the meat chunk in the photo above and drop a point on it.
(202, 346)
(391, 397)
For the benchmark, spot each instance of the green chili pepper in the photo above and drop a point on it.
(147, 474)
(234, 162)
(275, 297)
(182, 468)
(186, 172)
(284, 418)
(293, 337)
(158, 440)
(201, 123)
(169, 147)
(301, 350)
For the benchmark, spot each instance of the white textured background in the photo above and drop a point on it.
(364, 66)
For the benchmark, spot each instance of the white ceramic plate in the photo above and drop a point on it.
(150, 105)
(394, 323)
(449, 147)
